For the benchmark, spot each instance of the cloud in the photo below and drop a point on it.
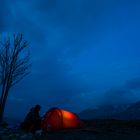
(126, 93)
(69, 23)
(3, 14)
(133, 84)
(117, 95)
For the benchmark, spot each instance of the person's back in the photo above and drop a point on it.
(32, 121)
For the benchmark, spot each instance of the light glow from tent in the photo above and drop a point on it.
(69, 119)
(67, 114)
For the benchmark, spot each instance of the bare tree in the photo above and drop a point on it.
(14, 65)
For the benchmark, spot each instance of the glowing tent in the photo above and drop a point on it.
(56, 119)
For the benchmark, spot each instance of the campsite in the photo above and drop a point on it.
(100, 130)
(69, 69)
(62, 124)
(94, 130)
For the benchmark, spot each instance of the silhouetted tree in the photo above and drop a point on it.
(14, 65)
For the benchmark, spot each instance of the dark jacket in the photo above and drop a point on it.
(32, 120)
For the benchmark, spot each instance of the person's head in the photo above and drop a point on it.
(37, 107)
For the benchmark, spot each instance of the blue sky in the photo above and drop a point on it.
(85, 53)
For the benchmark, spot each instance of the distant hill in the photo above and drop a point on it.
(131, 113)
(128, 111)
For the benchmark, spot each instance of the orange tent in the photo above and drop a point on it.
(56, 119)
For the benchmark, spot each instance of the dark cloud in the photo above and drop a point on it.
(117, 96)
(133, 84)
(3, 14)
(126, 93)
(42, 21)
(75, 19)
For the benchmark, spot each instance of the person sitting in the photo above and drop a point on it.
(32, 121)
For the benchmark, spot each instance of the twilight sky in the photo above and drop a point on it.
(85, 53)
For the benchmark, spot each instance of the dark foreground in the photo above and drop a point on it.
(101, 130)
(94, 130)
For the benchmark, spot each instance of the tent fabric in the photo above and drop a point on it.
(56, 119)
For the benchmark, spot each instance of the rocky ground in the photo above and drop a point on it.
(94, 130)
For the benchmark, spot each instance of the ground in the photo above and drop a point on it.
(100, 130)
(93, 130)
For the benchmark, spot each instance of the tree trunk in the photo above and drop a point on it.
(3, 102)
(2, 93)
(1, 114)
